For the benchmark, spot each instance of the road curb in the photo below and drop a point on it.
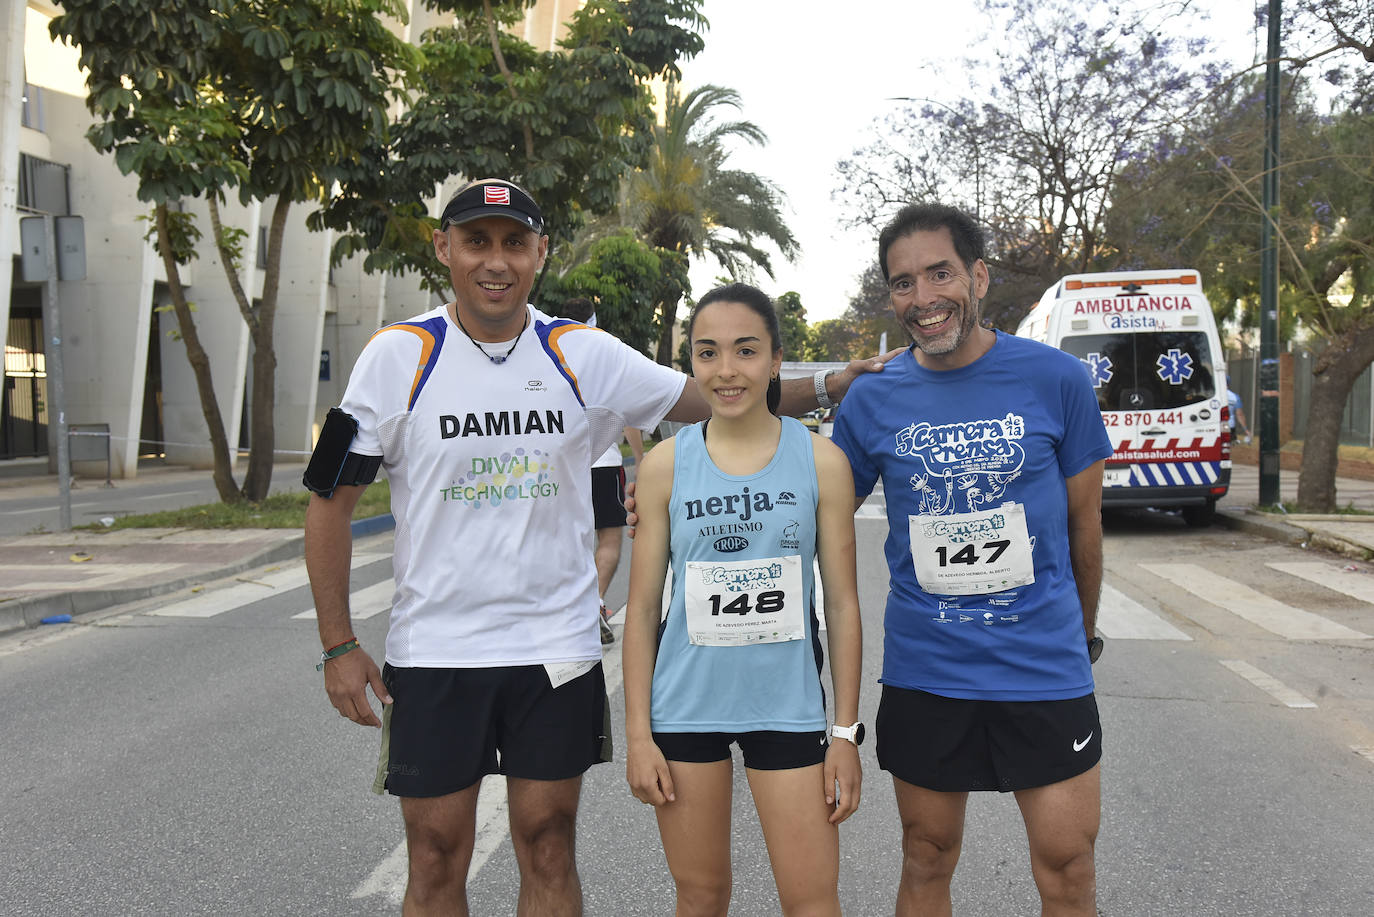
(1291, 531)
(29, 612)
(1255, 524)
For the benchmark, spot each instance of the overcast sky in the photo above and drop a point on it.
(816, 75)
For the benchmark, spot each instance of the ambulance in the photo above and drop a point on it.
(1148, 341)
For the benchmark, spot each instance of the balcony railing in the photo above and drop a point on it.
(43, 186)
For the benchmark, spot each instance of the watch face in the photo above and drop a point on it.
(1094, 649)
(858, 733)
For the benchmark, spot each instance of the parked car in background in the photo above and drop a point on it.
(827, 424)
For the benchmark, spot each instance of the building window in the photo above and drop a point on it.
(43, 186)
(33, 107)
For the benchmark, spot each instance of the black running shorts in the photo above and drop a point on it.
(764, 750)
(608, 497)
(953, 745)
(447, 728)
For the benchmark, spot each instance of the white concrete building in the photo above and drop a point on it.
(121, 366)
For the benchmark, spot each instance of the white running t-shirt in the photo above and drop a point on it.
(488, 465)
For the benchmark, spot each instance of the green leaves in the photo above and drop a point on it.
(272, 98)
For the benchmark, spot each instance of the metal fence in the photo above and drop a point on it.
(1357, 420)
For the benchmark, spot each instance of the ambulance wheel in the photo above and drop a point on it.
(1199, 517)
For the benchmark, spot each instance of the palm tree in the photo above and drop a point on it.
(688, 202)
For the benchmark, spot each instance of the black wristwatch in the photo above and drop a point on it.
(1094, 649)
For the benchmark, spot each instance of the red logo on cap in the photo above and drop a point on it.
(493, 194)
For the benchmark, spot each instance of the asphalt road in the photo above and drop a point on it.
(165, 764)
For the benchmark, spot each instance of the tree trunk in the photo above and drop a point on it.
(223, 475)
(1317, 477)
(1334, 375)
(667, 312)
(257, 481)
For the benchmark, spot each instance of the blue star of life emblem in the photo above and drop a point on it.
(1099, 367)
(1175, 366)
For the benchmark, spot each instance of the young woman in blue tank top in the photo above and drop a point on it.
(738, 507)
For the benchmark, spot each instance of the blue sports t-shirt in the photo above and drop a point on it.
(982, 601)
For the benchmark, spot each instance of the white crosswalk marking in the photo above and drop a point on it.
(1255, 607)
(363, 604)
(1356, 585)
(1120, 617)
(209, 604)
(872, 511)
(1267, 683)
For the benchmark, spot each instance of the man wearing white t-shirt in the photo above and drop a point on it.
(486, 415)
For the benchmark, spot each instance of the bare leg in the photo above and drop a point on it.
(932, 838)
(696, 837)
(803, 846)
(543, 824)
(607, 556)
(439, 835)
(1062, 822)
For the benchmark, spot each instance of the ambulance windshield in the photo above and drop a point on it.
(1145, 371)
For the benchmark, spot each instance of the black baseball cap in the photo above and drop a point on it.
(491, 197)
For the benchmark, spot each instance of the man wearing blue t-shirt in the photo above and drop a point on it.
(990, 449)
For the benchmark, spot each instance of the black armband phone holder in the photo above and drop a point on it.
(332, 464)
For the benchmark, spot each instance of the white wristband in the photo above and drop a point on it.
(822, 396)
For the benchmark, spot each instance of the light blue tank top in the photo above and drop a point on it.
(717, 517)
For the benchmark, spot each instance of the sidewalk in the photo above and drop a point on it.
(48, 574)
(1350, 535)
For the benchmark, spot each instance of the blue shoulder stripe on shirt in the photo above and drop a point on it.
(549, 334)
(431, 334)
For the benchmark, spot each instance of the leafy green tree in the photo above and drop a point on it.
(624, 277)
(272, 99)
(1198, 204)
(566, 124)
(792, 324)
(859, 331)
(687, 200)
(830, 340)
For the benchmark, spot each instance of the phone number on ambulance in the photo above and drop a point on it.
(1140, 418)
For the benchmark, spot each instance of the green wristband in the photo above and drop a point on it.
(347, 646)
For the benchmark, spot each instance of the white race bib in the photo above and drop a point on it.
(560, 673)
(972, 553)
(738, 602)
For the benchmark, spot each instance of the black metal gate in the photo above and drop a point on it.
(24, 407)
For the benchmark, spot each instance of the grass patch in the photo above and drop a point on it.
(278, 511)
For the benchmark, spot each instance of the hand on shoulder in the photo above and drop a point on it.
(856, 368)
